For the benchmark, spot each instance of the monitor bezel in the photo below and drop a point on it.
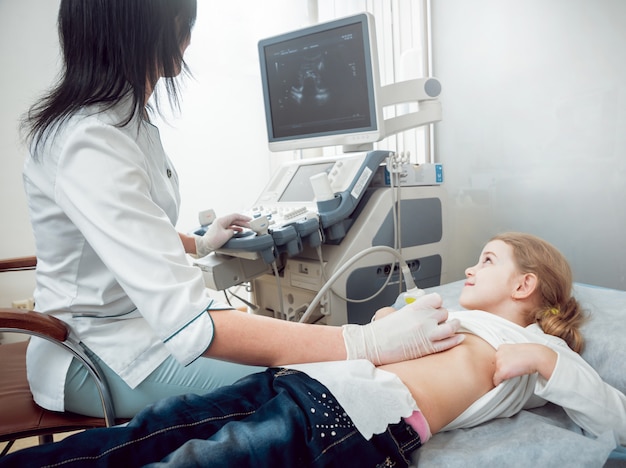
(356, 138)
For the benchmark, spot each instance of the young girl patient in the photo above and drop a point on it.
(519, 303)
(520, 350)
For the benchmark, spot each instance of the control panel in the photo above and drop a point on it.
(307, 202)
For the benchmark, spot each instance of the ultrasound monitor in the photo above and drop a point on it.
(320, 86)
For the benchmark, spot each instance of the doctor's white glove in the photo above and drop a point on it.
(220, 231)
(418, 329)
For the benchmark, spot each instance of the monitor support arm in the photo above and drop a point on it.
(424, 91)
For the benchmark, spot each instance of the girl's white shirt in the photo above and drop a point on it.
(590, 402)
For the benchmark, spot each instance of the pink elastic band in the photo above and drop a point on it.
(419, 424)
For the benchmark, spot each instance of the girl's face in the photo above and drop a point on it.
(492, 281)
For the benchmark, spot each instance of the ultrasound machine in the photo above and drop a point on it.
(334, 238)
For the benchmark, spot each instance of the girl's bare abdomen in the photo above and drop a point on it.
(445, 384)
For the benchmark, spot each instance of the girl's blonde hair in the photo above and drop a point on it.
(558, 312)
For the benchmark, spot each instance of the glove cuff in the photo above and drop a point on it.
(354, 341)
(202, 246)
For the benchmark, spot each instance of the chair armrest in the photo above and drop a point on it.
(56, 331)
(35, 322)
(18, 263)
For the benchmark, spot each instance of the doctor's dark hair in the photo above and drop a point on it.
(112, 50)
(558, 312)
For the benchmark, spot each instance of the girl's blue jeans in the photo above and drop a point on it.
(279, 417)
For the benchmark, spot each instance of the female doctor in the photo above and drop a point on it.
(103, 200)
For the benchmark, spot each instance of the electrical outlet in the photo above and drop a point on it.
(26, 304)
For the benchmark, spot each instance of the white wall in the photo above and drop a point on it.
(533, 136)
(28, 52)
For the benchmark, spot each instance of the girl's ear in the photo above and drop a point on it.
(526, 286)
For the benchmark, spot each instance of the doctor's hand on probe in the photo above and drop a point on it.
(418, 329)
(220, 231)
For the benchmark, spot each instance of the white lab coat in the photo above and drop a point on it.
(103, 203)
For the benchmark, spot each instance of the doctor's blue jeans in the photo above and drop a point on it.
(279, 417)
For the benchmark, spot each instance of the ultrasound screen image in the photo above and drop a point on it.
(318, 83)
